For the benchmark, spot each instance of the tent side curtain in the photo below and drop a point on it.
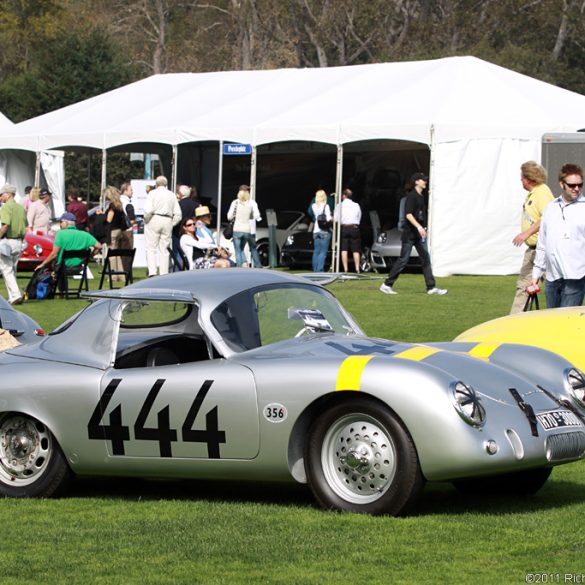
(476, 205)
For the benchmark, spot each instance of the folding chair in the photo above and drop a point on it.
(63, 274)
(127, 258)
(177, 261)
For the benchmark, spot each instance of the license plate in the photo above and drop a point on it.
(558, 419)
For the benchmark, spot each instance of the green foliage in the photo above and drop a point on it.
(68, 69)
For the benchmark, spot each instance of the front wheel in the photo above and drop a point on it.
(31, 462)
(359, 458)
(263, 248)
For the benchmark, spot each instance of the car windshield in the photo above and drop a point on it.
(259, 317)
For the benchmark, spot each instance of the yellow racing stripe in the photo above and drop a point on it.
(417, 353)
(483, 351)
(350, 372)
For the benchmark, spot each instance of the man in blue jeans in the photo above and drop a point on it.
(560, 250)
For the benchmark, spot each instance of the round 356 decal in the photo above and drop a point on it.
(275, 412)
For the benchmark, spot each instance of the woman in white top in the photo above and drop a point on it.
(199, 254)
(242, 210)
(321, 233)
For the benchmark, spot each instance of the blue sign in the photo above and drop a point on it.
(237, 149)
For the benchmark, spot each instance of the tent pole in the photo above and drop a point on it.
(336, 239)
(219, 188)
(431, 181)
(38, 170)
(104, 168)
(253, 173)
(174, 168)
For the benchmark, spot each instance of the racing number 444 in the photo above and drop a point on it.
(118, 433)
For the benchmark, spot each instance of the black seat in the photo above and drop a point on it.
(64, 273)
(127, 257)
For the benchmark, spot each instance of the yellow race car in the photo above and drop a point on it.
(558, 330)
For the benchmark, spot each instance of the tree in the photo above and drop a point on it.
(67, 69)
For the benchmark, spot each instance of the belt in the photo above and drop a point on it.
(20, 238)
(353, 225)
(532, 247)
(163, 215)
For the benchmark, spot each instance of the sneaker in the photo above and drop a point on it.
(437, 291)
(388, 290)
(17, 301)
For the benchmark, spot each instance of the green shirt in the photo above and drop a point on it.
(71, 238)
(13, 215)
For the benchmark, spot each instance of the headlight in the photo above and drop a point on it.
(576, 383)
(382, 238)
(38, 249)
(290, 240)
(467, 404)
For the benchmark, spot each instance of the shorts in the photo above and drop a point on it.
(351, 240)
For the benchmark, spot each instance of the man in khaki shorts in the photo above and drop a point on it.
(533, 177)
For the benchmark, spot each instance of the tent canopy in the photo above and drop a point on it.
(455, 98)
(480, 121)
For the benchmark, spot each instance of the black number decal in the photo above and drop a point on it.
(163, 433)
(211, 435)
(115, 431)
(118, 434)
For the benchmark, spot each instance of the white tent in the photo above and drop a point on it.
(18, 168)
(479, 120)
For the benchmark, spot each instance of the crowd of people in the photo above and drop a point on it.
(178, 224)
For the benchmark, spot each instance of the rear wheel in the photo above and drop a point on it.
(31, 462)
(520, 483)
(359, 458)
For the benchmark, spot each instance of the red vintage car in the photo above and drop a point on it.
(38, 247)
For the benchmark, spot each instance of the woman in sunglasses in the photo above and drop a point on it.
(200, 254)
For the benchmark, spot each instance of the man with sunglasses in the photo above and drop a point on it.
(533, 178)
(560, 251)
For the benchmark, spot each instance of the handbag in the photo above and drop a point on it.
(322, 222)
(228, 232)
(531, 302)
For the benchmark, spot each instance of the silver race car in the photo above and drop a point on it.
(259, 375)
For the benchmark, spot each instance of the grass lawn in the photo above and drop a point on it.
(143, 532)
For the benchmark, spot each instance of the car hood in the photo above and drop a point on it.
(557, 330)
(445, 361)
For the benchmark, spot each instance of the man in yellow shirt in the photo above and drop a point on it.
(533, 177)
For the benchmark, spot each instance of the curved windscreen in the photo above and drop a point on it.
(262, 316)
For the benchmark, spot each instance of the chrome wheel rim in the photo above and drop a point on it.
(358, 458)
(25, 450)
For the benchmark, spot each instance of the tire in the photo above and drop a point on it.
(31, 462)
(264, 252)
(366, 261)
(386, 479)
(518, 483)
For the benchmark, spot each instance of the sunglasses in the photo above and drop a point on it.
(189, 224)
(573, 185)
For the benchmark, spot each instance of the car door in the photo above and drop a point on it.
(198, 410)
(167, 394)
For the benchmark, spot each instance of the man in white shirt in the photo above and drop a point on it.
(560, 251)
(161, 213)
(127, 239)
(349, 214)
